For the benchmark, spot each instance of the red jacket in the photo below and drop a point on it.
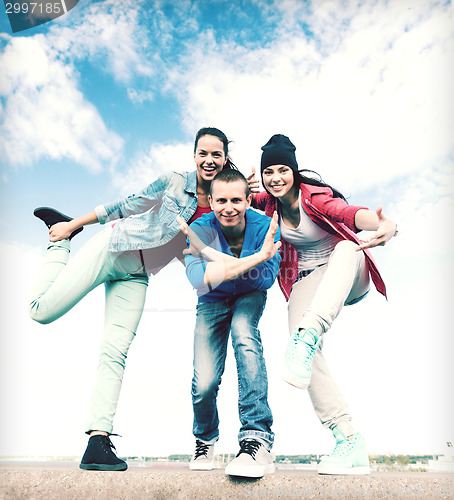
(333, 215)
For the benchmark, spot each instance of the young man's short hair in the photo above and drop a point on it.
(230, 175)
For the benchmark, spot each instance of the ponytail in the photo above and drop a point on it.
(229, 164)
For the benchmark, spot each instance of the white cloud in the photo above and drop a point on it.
(147, 166)
(423, 205)
(45, 114)
(111, 35)
(369, 104)
(139, 97)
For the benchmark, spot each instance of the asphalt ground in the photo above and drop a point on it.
(68, 482)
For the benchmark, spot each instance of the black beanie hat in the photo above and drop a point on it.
(279, 150)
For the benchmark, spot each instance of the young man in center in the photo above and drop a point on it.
(231, 261)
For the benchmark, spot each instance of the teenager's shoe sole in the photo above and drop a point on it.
(104, 467)
(253, 471)
(44, 213)
(201, 466)
(344, 471)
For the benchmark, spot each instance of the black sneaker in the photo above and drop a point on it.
(99, 455)
(50, 216)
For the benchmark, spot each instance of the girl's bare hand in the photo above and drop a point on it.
(253, 183)
(386, 230)
(60, 231)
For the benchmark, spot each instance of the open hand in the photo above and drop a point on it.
(269, 248)
(386, 230)
(196, 245)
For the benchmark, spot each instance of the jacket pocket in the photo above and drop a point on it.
(170, 208)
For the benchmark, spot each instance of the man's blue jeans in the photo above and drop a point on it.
(240, 316)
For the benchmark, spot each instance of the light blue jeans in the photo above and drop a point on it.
(240, 316)
(61, 285)
(316, 301)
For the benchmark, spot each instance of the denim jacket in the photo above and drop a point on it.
(149, 218)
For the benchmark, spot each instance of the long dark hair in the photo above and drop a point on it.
(222, 137)
(300, 177)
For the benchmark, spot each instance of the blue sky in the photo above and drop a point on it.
(97, 103)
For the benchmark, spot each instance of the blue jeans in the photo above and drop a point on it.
(239, 315)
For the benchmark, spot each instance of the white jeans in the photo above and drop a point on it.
(315, 301)
(62, 284)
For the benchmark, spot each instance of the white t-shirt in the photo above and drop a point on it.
(313, 244)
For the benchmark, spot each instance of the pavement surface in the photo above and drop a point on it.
(68, 482)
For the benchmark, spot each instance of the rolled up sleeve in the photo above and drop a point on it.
(101, 214)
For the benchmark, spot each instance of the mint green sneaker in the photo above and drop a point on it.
(349, 456)
(299, 354)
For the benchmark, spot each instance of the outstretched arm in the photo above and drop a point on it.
(384, 228)
(63, 230)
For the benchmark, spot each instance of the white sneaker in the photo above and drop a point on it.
(253, 460)
(203, 456)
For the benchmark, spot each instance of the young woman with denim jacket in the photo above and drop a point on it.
(145, 237)
(324, 267)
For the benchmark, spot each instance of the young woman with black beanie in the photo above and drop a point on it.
(324, 267)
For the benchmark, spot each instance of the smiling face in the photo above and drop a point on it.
(229, 203)
(278, 180)
(209, 157)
